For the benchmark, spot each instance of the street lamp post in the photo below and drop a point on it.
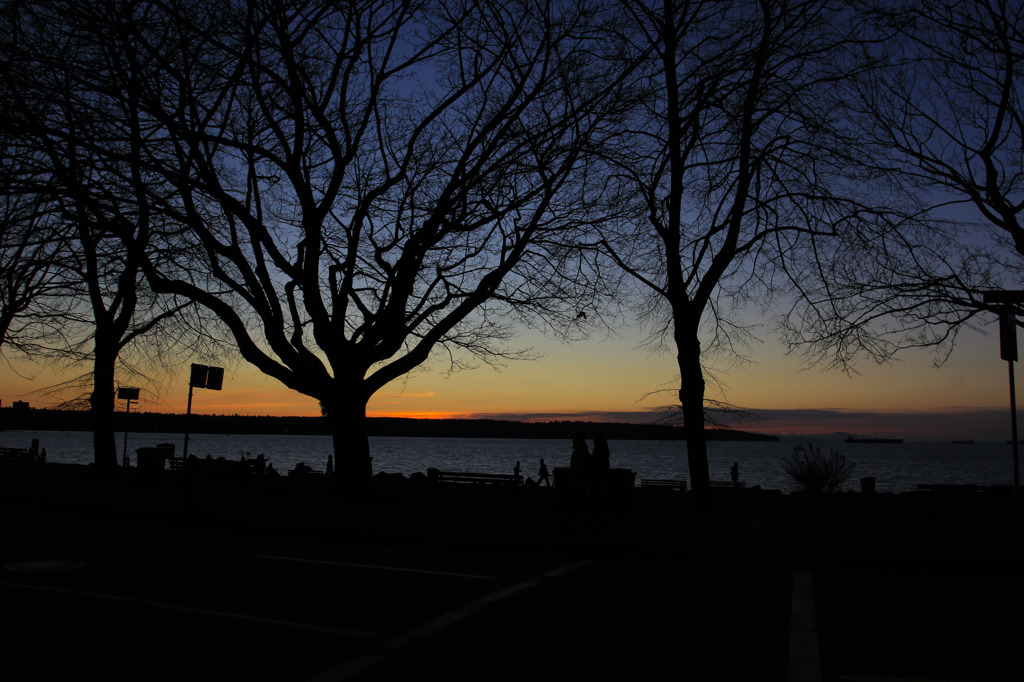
(127, 394)
(1008, 351)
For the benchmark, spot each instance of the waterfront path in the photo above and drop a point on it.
(158, 584)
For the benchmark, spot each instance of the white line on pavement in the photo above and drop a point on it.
(348, 669)
(804, 655)
(196, 611)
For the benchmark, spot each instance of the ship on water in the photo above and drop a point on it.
(857, 439)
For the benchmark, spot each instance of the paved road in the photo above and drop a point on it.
(246, 610)
(101, 594)
(145, 603)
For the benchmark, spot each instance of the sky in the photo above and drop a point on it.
(967, 398)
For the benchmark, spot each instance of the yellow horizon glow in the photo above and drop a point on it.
(595, 377)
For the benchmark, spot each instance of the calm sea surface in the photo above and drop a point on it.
(896, 467)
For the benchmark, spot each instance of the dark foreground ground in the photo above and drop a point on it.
(168, 578)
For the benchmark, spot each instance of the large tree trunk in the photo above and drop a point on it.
(346, 415)
(691, 396)
(102, 410)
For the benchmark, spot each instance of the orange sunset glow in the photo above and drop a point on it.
(616, 380)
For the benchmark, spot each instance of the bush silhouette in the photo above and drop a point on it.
(813, 472)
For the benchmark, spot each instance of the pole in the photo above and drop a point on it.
(188, 413)
(1007, 303)
(1016, 459)
(124, 450)
(1013, 415)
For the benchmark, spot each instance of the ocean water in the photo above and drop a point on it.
(896, 467)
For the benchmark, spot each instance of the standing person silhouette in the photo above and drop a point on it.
(579, 463)
(734, 473)
(579, 472)
(600, 465)
(542, 474)
(602, 459)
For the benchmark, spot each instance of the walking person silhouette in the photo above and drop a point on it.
(542, 474)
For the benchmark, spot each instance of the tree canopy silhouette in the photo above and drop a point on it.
(733, 170)
(942, 114)
(351, 188)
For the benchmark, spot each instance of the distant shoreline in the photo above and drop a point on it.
(155, 422)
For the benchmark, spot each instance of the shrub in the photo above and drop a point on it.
(813, 472)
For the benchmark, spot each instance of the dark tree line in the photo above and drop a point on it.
(347, 191)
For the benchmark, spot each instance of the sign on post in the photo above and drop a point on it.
(1008, 336)
(214, 378)
(201, 376)
(198, 377)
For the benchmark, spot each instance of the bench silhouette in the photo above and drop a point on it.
(20, 459)
(674, 484)
(438, 477)
(680, 485)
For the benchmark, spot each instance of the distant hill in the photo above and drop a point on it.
(494, 428)
(155, 422)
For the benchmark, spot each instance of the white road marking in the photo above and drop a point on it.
(198, 611)
(351, 668)
(804, 654)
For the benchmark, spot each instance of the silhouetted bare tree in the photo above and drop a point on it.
(30, 281)
(737, 166)
(358, 185)
(944, 113)
(78, 150)
(30, 238)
